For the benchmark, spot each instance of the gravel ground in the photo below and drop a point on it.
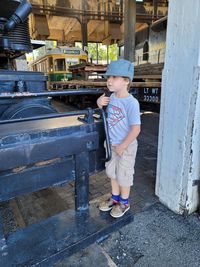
(156, 238)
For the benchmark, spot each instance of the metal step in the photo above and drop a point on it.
(59, 236)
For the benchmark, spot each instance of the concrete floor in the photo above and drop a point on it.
(157, 237)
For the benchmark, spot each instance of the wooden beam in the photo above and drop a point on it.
(102, 84)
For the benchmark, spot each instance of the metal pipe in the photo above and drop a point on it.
(108, 146)
(48, 116)
(19, 16)
(51, 93)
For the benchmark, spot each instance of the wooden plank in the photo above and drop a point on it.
(17, 213)
(151, 77)
(144, 71)
(149, 69)
(100, 84)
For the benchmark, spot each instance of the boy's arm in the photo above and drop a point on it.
(132, 135)
(103, 101)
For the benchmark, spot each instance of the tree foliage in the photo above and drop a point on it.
(102, 51)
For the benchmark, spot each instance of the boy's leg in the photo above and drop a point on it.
(125, 191)
(123, 206)
(111, 173)
(115, 187)
(113, 200)
(124, 175)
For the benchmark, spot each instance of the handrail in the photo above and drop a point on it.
(82, 91)
(48, 116)
(108, 146)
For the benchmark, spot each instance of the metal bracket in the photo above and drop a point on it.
(196, 182)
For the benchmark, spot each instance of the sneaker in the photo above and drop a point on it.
(119, 210)
(107, 205)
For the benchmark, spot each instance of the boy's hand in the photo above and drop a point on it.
(103, 101)
(119, 149)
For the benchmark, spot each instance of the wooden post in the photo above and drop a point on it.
(129, 29)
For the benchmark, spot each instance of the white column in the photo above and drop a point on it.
(179, 131)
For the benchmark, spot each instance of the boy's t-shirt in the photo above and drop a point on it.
(122, 114)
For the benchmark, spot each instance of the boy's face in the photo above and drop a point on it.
(117, 83)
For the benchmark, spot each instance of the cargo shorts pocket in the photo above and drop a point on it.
(125, 170)
(125, 176)
(127, 160)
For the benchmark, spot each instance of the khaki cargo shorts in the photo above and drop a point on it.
(121, 167)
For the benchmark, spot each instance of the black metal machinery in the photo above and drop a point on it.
(39, 148)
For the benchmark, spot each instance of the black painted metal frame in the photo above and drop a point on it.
(40, 151)
(66, 153)
(27, 142)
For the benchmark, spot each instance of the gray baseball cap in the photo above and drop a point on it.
(120, 67)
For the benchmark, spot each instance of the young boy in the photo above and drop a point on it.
(124, 127)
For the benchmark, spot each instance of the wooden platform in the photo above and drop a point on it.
(94, 84)
(149, 69)
(85, 71)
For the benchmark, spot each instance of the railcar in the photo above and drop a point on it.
(56, 62)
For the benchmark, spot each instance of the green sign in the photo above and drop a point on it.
(71, 52)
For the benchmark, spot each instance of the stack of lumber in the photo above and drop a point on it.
(149, 69)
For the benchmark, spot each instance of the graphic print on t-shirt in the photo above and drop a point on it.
(115, 115)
